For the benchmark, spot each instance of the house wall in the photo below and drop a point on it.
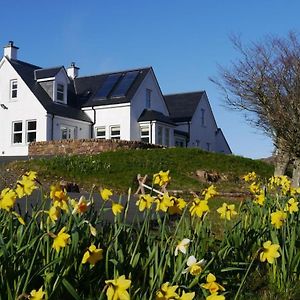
(24, 107)
(112, 115)
(221, 143)
(138, 104)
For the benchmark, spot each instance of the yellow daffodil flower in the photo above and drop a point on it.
(167, 292)
(26, 185)
(227, 211)
(178, 205)
(199, 207)
(117, 288)
(254, 188)
(209, 192)
(163, 202)
(20, 219)
(291, 206)
(187, 296)
(161, 178)
(282, 182)
(251, 176)
(93, 230)
(194, 267)
(37, 295)
(182, 246)
(215, 296)
(92, 255)
(212, 285)
(105, 194)
(278, 218)
(59, 197)
(82, 206)
(54, 213)
(269, 252)
(7, 199)
(145, 201)
(116, 208)
(260, 199)
(61, 240)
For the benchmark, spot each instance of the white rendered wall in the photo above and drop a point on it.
(24, 107)
(112, 115)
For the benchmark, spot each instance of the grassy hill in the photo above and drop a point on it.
(118, 169)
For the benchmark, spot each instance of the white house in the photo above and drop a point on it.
(42, 104)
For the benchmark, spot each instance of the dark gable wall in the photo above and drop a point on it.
(48, 87)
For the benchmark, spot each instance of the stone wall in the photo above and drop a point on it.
(83, 146)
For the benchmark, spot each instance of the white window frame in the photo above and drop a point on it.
(116, 128)
(30, 130)
(60, 92)
(14, 88)
(17, 132)
(100, 129)
(148, 98)
(145, 137)
(69, 132)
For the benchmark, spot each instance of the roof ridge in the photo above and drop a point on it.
(25, 63)
(114, 72)
(184, 93)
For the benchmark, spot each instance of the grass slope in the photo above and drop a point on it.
(118, 169)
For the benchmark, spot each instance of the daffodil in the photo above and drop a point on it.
(82, 206)
(278, 218)
(251, 176)
(178, 205)
(145, 201)
(7, 199)
(182, 246)
(161, 178)
(199, 207)
(291, 206)
(227, 211)
(282, 182)
(92, 255)
(187, 296)
(117, 288)
(26, 185)
(59, 197)
(254, 188)
(194, 267)
(209, 192)
(61, 240)
(269, 252)
(105, 194)
(212, 285)
(19, 218)
(163, 202)
(167, 292)
(215, 296)
(116, 208)
(54, 213)
(37, 295)
(260, 198)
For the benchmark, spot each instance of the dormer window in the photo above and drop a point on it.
(13, 89)
(60, 92)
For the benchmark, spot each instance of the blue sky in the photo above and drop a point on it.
(182, 40)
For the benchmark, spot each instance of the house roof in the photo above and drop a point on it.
(183, 106)
(47, 73)
(26, 71)
(153, 115)
(110, 88)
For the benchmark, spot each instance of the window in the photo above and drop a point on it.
(60, 92)
(115, 132)
(202, 117)
(31, 131)
(100, 132)
(148, 98)
(167, 136)
(179, 143)
(67, 132)
(17, 137)
(13, 89)
(145, 134)
(159, 135)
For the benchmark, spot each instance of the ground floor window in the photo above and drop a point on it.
(67, 132)
(145, 133)
(17, 132)
(115, 132)
(159, 135)
(31, 131)
(179, 142)
(100, 132)
(167, 136)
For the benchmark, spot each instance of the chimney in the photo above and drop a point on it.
(11, 51)
(72, 71)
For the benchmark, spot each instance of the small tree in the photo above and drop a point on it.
(265, 83)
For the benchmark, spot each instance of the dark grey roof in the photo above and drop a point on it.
(87, 87)
(47, 73)
(26, 71)
(183, 106)
(153, 115)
